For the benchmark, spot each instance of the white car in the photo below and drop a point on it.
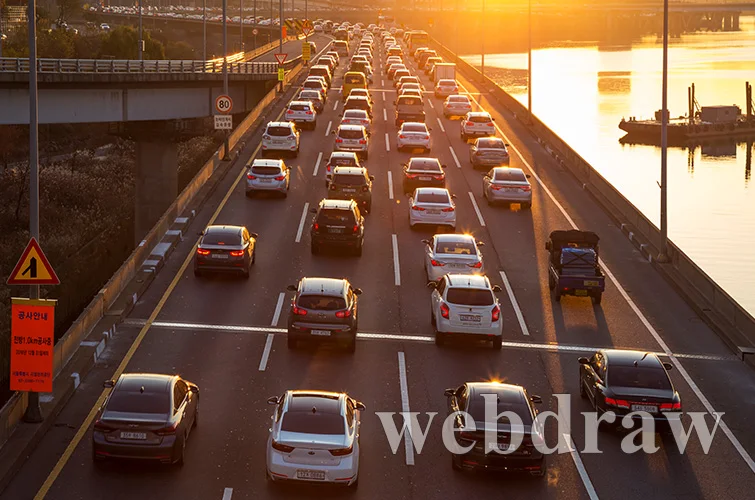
(356, 117)
(445, 88)
(456, 105)
(432, 206)
(352, 138)
(466, 305)
(414, 135)
(477, 124)
(452, 253)
(281, 137)
(409, 86)
(314, 437)
(268, 175)
(302, 113)
(361, 92)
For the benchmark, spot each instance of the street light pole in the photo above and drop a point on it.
(204, 30)
(529, 59)
(663, 251)
(141, 38)
(482, 24)
(255, 24)
(33, 410)
(280, 42)
(225, 69)
(241, 23)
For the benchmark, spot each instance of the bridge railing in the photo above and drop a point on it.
(107, 66)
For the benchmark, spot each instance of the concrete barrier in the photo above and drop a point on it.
(730, 320)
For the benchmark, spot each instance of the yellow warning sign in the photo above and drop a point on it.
(33, 268)
(281, 74)
(306, 53)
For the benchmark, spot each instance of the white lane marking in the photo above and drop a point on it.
(456, 159)
(227, 494)
(385, 115)
(580, 467)
(431, 104)
(405, 407)
(266, 352)
(396, 268)
(317, 164)
(442, 128)
(382, 83)
(555, 347)
(335, 105)
(390, 186)
(327, 130)
(387, 143)
(477, 209)
(666, 351)
(301, 222)
(278, 308)
(514, 304)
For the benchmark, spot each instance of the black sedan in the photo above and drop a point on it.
(225, 249)
(423, 172)
(626, 381)
(146, 416)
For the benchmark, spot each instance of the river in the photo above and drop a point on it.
(581, 91)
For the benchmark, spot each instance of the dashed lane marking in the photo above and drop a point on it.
(514, 304)
(477, 209)
(385, 115)
(227, 494)
(390, 186)
(396, 267)
(317, 164)
(387, 143)
(327, 130)
(442, 128)
(456, 159)
(301, 222)
(409, 446)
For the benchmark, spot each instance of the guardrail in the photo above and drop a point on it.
(107, 66)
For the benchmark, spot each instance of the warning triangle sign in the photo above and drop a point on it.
(33, 268)
(281, 58)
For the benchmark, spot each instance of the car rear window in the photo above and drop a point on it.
(409, 101)
(313, 423)
(221, 238)
(510, 175)
(402, 72)
(458, 98)
(314, 84)
(425, 166)
(299, 107)
(514, 404)
(278, 131)
(332, 217)
(322, 302)
(354, 79)
(138, 402)
(414, 128)
(355, 113)
(318, 72)
(638, 376)
(470, 296)
(432, 197)
(490, 143)
(351, 134)
(341, 160)
(349, 179)
(479, 119)
(265, 170)
(446, 82)
(455, 247)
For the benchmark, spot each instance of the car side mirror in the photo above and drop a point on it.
(291, 288)
(432, 284)
(453, 196)
(548, 245)
(506, 144)
(313, 210)
(429, 128)
(357, 291)
(426, 242)
(449, 393)
(109, 383)
(273, 400)
(536, 399)
(444, 166)
(492, 119)
(496, 288)
(528, 176)
(372, 177)
(668, 366)
(333, 132)
(583, 361)
(480, 243)
(254, 235)
(360, 406)
(194, 389)
(200, 233)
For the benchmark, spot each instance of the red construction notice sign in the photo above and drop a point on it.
(31, 346)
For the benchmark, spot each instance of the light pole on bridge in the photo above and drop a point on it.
(225, 69)
(141, 37)
(663, 251)
(204, 30)
(529, 59)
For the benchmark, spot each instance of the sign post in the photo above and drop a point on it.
(223, 120)
(32, 341)
(281, 58)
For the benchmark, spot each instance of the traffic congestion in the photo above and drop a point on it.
(384, 207)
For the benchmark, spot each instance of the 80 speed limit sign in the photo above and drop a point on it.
(223, 104)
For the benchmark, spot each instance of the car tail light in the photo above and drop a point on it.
(439, 177)
(362, 141)
(619, 403)
(339, 140)
(202, 251)
(101, 426)
(496, 188)
(343, 314)
(427, 137)
(309, 112)
(316, 226)
(444, 311)
(280, 178)
(476, 265)
(401, 136)
(266, 137)
(251, 177)
(355, 229)
(299, 311)
(470, 124)
(437, 263)
(237, 253)
(339, 452)
(489, 124)
(290, 112)
(169, 429)
(365, 188)
(418, 208)
(526, 188)
(448, 209)
(671, 406)
(496, 314)
(282, 447)
(365, 122)
(411, 176)
(479, 153)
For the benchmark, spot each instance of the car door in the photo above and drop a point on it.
(181, 406)
(429, 254)
(437, 295)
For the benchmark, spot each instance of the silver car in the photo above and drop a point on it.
(507, 185)
(356, 117)
(477, 124)
(280, 137)
(456, 105)
(268, 175)
(489, 152)
(414, 135)
(452, 253)
(302, 113)
(445, 88)
(432, 206)
(352, 138)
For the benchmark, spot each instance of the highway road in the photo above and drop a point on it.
(228, 336)
(293, 48)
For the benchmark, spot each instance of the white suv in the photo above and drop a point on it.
(466, 305)
(281, 137)
(477, 124)
(302, 113)
(352, 138)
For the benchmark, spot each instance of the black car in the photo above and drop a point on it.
(323, 309)
(225, 249)
(337, 223)
(625, 381)
(146, 416)
(352, 183)
(423, 172)
(469, 398)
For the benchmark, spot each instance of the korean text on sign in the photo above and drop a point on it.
(32, 341)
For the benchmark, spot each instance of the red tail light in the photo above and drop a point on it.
(362, 141)
(237, 253)
(444, 311)
(436, 263)
(290, 112)
(341, 451)
(103, 427)
(170, 429)
(418, 209)
(470, 124)
(526, 188)
(309, 112)
(280, 178)
(202, 251)
(344, 314)
(671, 406)
(448, 209)
(439, 177)
(477, 265)
(496, 314)
(299, 311)
(427, 137)
(619, 403)
(327, 167)
(282, 447)
(496, 188)
(401, 136)
(355, 229)
(411, 176)
(332, 187)
(339, 140)
(251, 177)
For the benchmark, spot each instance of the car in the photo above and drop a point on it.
(352, 138)
(456, 253)
(409, 86)
(412, 93)
(625, 381)
(430, 62)
(406, 79)
(470, 399)
(328, 61)
(303, 114)
(281, 137)
(391, 61)
(352, 183)
(105, 27)
(464, 305)
(393, 68)
(423, 172)
(314, 97)
(314, 437)
(356, 117)
(489, 152)
(507, 185)
(268, 176)
(446, 88)
(424, 56)
(225, 249)
(358, 102)
(335, 55)
(414, 135)
(340, 158)
(400, 73)
(319, 28)
(432, 206)
(316, 83)
(477, 124)
(456, 105)
(337, 223)
(418, 51)
(361, 92)
(322, 70)
(146, 416)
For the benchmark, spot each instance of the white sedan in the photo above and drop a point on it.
(356, 117)
(432, 206)
(314, 437)
(452, 253)
(456, 105)
(414, 135)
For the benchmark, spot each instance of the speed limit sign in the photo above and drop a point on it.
(223, 104)
(255, 31)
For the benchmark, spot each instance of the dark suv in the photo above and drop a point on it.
(323, 309)
(337, 222)
(352, 183)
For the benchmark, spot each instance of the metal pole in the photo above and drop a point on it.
(225, 69)
(241, 22)
(663, 251)
(204, 30)
(280, 42)
(270, 33)
(456, 31)
(256, 26)
(482, 25)
(33, 410)
(141, 38)
(529, 59)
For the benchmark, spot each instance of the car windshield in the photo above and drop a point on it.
(425, 166)
(355, 113)
(490, 143)
(432, 198)
(342, 160)
(332, 217)
(318, 72)
(307, 422)
(349, 179)
(470, 296)
(310, 94)
(506, 402)
(221, 238)
(299, 107)
(479, 119)
(638, 376)
(322, 302)
(510, 176)
(265, 170)
(351, 134)
(313, 84)
(455, 247)
(138, 402)
(354, 79)
(413, 127)
(278, 131)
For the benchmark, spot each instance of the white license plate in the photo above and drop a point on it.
(310, 474)
(321, 333)
(472, 318)
(133, 435)
(279, 142)
(647, 408)
(425, 178)
(511, 190)
(433, 212)
(591, 283)
(266, 181)
(219, 256)
(349, 190)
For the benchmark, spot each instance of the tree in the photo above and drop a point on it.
(179, 50)
(67, 9)
(122, 43)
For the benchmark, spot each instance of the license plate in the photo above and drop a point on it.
(321, 333)
(349, 190)
(279, 142)
(424, 178)
(647, 408)
(433, 212)
(133, 435)
(580, 292)
(219, 256)
(473, 318)
(266, 181)
(336, 230)
(511, 190)
(310, 474)
(591, 283)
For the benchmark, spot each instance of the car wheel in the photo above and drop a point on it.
(197, 273)
(368, 207)
(355, 484)
(296, 153)
(366, 155)
(181, 451)
(551, 281)
(196, 417)
(432, 316)
(358, 250)
(314, 125)
(597, 298)
(97, 459)
(557, 294)
(498, 342)
(291, 342)
(543, 470)
(249, 194)
(351, 346)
